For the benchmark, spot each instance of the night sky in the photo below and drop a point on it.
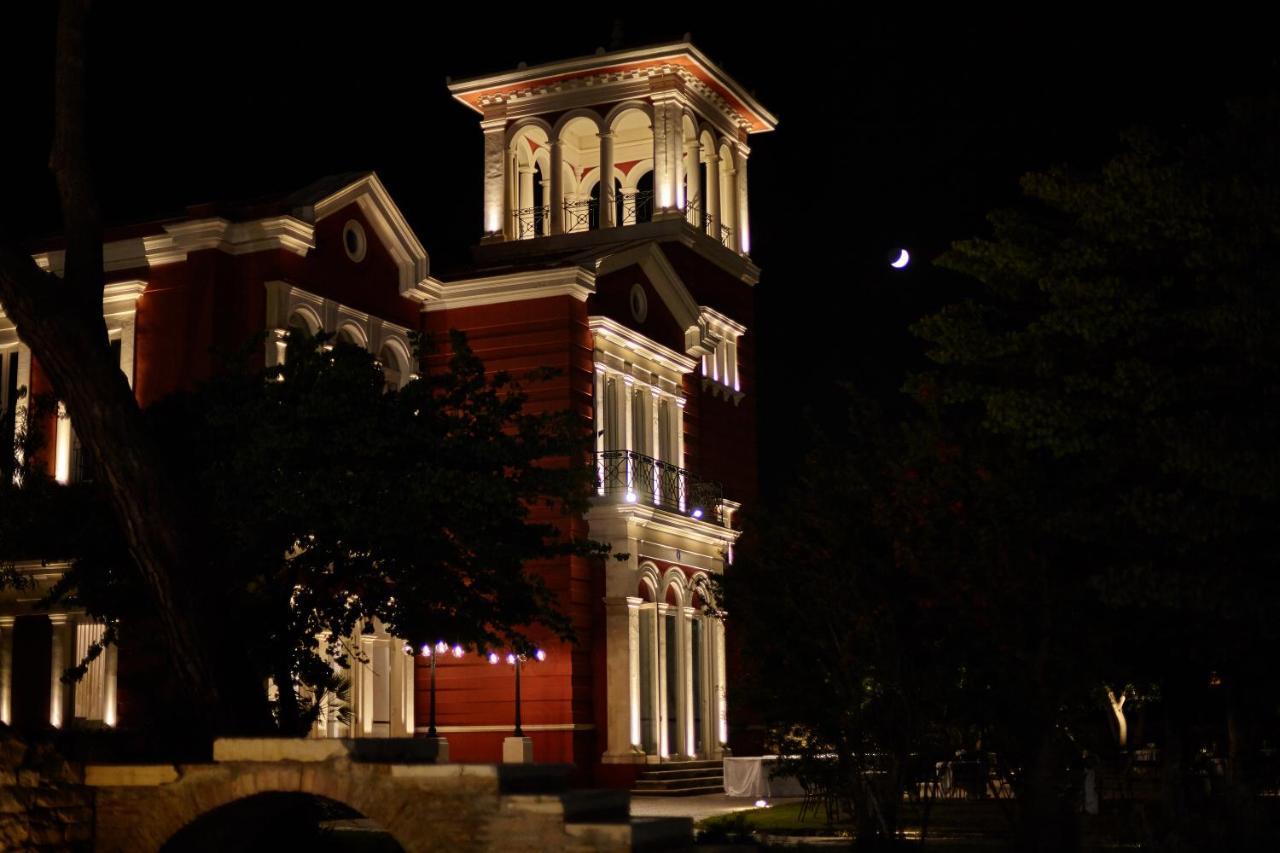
(894, 130)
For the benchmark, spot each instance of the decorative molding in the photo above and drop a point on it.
(574, 281)
(629, 339)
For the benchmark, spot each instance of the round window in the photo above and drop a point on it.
(639, 303)
(353, 240)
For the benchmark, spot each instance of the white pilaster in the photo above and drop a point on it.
(6, 669)
(628, 431)
(525, 225)
(607, 206)
(694, 204)
(744, 225)
(668, 152)
(729, 201)
(495, 165)
(665, 747)
(685, 637)
(110, 653)
(61, 696)
(622, 687)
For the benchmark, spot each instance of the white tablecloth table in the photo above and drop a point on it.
(752, 776)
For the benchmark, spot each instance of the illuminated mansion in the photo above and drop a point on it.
(615, 248)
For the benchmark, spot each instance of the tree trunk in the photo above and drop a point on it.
(60, 319)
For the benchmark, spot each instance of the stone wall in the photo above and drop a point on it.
(44, 805)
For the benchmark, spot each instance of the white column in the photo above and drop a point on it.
(695, 204)
(525, 226)
(495, 166)
(544, 221)
(6, 669)
(598, 407)
(713, 194)
(607, 206)
(622, 681)
(557, 186)
(24, 381)
(655, 444)
(744, 226)
(720, 694)
(62, 446)
(61, 696)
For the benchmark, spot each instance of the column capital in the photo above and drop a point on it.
(7, 621)
(604, 134)
(493, 125)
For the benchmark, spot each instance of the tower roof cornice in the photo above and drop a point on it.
(680, 57)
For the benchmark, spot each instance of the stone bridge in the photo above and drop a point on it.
(423, 805)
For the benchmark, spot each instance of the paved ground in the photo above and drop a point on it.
(698, 808)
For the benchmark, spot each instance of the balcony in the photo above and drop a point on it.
(631, 477)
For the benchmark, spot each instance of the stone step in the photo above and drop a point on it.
(691, 773)
(690, 791)
(691, 764)
(663, 784)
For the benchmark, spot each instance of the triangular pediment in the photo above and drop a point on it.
(389, 224)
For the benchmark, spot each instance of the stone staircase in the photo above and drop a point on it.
(681, 779)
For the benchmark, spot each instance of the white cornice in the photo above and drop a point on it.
(629, 339)
(682, 57)
(573, 281)
(669, 523)
(116, 255)
(719, 324)
(234, 238)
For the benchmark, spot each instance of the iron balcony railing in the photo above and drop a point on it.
(635, 478)
(531, 222)
(701, 220)
(636, 207)
(582, 215)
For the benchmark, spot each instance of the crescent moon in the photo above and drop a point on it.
(902, 261)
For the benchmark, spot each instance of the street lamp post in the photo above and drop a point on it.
(432, 653)
(517, 749)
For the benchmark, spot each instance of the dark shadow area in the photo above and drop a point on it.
(282, 821)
